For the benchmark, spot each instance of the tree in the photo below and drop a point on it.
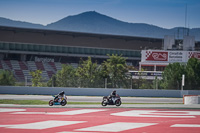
(172, 76)
(36, 78)
(115, 69)
(142, 82)
(7, 78)
(192, 76)
(52, 82)
(65, 77)
(89, 74)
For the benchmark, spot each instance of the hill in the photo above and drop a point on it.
(12, 23)
(94, 22)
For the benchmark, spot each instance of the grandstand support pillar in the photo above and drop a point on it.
(25, 80)
(1, 56)
(23, 57)
(154, 67)
(131, 82)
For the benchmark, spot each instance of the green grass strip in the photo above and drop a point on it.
(23, 102)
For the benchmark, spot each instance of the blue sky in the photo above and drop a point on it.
(162, 13)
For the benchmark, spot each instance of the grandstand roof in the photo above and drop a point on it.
(68, 38)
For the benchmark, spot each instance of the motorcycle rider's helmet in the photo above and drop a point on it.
(62, 93)
(114, 92)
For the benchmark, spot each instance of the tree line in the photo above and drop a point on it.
(172, 75)
(113, 73)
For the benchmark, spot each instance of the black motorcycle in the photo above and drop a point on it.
(109, 101)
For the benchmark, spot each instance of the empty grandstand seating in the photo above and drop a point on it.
(50, 73)
(19, 74)
(22, 69)
(52, 64)
(45, 75)
(48, 67)
(27, 75)
(15, 65)
(23, 65)
(75, 65)
(7, 65)
(39, 66)
(32, 66)
(58, 66)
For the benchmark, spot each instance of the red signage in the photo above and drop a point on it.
(194, 55)
(156, 56)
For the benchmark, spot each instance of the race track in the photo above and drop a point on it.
(98, 120)
(94, 99)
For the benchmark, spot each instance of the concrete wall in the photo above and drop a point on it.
(95, 91)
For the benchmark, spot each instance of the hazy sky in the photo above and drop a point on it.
(163, 13)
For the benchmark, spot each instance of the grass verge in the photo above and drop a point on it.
(23, 102)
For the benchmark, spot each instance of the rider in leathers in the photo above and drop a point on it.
(59, 96)
(113, 96)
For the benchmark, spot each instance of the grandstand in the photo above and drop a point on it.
(21, 69)
(23, 50)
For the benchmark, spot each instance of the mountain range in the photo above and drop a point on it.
(94, 22)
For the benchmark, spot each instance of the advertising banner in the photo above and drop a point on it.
(194, 54)
(156, 56)
(168, 56)
(177, 56)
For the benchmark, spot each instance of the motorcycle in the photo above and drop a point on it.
(58, 101)
(111, 101)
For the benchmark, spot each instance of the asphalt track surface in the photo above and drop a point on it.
(94, 99)
(98, 120)
(147, 102)
(149, 117)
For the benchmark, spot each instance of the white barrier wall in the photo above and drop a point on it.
(94, 91)
(191, 99)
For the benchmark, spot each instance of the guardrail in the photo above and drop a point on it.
(95, 91)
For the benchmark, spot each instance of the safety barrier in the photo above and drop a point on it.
(95, 91)
(191, 99)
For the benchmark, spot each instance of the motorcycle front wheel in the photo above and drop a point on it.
(118, 103)
(51, 103)
(64, 102)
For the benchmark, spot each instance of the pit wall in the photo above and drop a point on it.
(95, 91)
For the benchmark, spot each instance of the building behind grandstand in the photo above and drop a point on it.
(23, 50)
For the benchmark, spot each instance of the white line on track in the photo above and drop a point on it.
(42, 125)
(156, 113)
(186, 125)
(10, 110)
(77, 112)
(116, 127)
(72, 112)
